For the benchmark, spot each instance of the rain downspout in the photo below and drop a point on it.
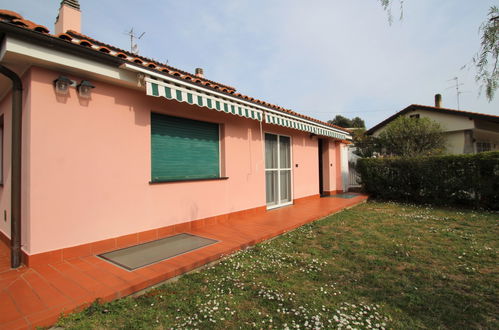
(15, 203)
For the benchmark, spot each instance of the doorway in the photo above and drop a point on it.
(278, 170)
(321, 167)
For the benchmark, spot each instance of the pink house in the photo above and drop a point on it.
(114, 144)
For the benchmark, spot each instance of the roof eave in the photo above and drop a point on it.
(56, 43)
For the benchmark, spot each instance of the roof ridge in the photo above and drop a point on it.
(233, 92)
(86, 41)
(79, 34)
(456, 110)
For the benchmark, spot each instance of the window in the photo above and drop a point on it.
(183, 149)
(483, 146)
(416, 116)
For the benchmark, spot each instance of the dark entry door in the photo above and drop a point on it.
(321, 169)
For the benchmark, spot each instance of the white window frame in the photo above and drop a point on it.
(279, 204)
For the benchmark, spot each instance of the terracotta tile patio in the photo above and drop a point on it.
(36, 296)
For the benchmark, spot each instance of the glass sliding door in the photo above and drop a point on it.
(277, 170)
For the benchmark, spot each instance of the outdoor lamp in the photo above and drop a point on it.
(85, 89)
(62, 84)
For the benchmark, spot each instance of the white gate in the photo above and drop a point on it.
(353, 176)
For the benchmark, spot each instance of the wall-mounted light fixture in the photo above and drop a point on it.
(85, 89)
(62, 84)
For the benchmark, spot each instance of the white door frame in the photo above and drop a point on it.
(279, 169)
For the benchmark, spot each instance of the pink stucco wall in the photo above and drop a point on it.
(87, 174)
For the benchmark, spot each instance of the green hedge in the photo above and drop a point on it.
(471, 180)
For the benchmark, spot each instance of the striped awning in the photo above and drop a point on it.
(275, 119)
(183, 94)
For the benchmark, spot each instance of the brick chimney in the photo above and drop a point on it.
(69, 17)
(438, 101)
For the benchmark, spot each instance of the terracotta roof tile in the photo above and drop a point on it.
(137, 60)
(85, 43)
(4, 13)
(83, 40)
(121, 55)
(104, 49)
(64, 36)
(144, 59)
(19, 22)
(29, 24)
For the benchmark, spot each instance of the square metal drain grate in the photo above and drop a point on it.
(151, 252)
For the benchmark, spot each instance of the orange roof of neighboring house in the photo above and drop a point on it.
(74, 37)
(412, 107)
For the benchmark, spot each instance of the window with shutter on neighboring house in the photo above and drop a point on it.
(482, 146)
(183, 149)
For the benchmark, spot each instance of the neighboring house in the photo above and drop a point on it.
(465, 132)
(115, 144)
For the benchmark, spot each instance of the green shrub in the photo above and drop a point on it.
(471, 180)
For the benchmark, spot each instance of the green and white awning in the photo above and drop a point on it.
(275, 119)
(183, 94)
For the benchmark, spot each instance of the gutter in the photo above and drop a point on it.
(15, 203)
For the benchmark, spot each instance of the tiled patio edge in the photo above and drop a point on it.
(101, 280)
(124, 241)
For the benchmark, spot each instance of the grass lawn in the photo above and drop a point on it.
(378, 265)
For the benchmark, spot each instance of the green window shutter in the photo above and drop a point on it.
(154, 88)
(168, 92)
(183, 149)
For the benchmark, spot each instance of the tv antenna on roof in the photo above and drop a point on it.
(458, 92)
(134, 48)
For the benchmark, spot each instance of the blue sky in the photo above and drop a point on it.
(319, 57)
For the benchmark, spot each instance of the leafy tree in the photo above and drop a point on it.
(357, 122)
(341, 121)
(486, 59)
(365, 145)
(411, 137)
